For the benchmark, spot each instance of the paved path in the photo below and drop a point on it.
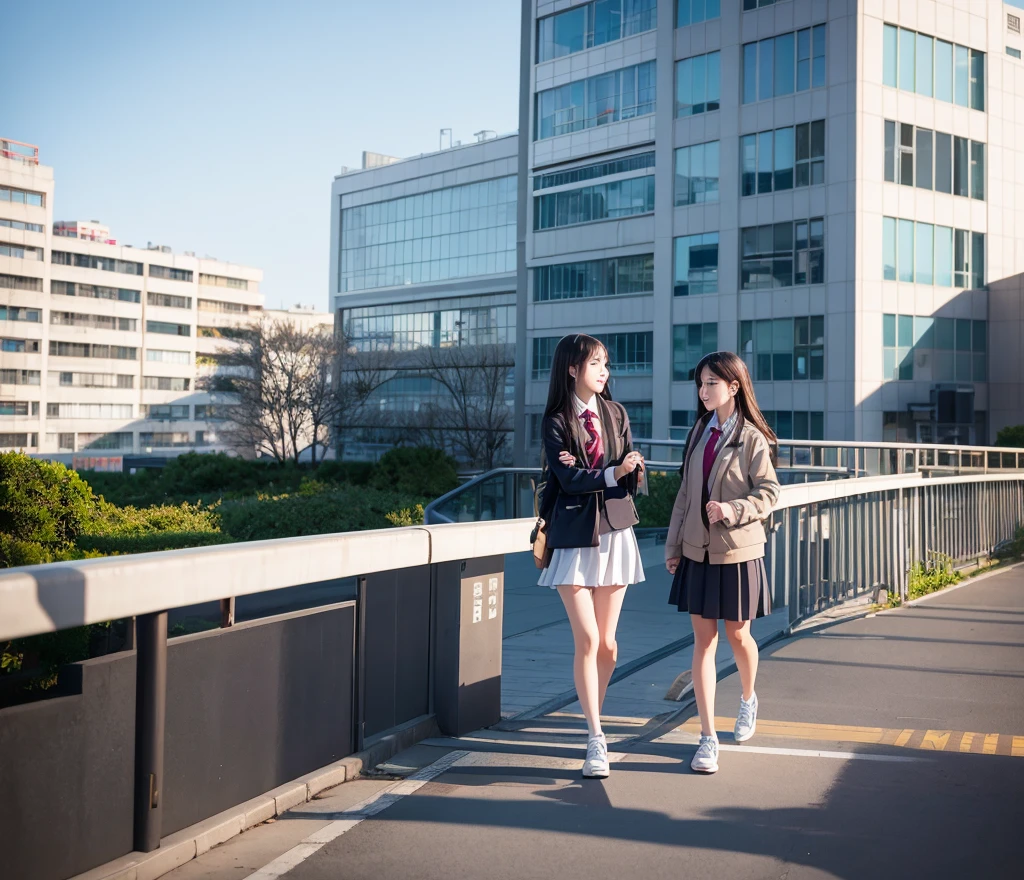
(889, 746)
(536, 667)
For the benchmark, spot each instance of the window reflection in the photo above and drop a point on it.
(458, 232)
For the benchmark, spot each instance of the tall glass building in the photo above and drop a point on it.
(423, 269)
(834, 190)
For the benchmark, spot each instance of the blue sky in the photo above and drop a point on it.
(218, 126)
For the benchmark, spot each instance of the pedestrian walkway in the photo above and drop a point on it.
(888, 747)
(537, 651)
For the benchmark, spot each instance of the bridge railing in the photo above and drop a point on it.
(507, 493)
(139, 744)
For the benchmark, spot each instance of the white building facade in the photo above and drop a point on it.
(102, 345)
(826, 187)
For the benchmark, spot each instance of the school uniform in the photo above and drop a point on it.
(590, 515)
(721, 573)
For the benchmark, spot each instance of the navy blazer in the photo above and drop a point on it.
(576, 496)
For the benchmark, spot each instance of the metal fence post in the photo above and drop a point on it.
(150, 717)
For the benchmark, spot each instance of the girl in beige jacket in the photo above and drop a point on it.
(715, 545)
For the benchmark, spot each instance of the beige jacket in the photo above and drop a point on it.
(744, 477)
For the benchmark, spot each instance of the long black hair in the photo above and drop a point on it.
(572, 351)
(730, 367)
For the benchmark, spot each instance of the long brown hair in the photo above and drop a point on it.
(730, 367)
(572, 351)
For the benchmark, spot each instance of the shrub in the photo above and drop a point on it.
(655, 509)
(1011, 435)
(406, 517)
(340, 509)
(42, 502)
(923, 579)
(416, 470)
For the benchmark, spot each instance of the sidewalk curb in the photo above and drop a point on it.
(181, 847)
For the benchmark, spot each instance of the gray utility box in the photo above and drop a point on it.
(467, 682)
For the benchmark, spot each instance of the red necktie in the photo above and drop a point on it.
(709, 455)
(595, 451)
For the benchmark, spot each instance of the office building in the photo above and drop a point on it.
(829, 188)
(423, 282)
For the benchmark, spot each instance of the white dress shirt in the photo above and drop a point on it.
(581, 407)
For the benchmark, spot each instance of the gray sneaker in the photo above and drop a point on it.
(596, 765)
(746, 719)
(706, 759)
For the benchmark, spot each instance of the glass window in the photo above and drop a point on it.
(698, 84)
(785, 65)
(978, 255)
(977, 80)
(784, 158)
(905, 258)
(907, 59)
(696, 264)
(961, 167)
(750, 73)
(697, 170)
(961, 75)
(765, 161)
(943, 162)
(890, 151)
(1013, 53)
(889, 54)
(782, 254)
(977, 170)
(562, 34)
(690, 342)
(924, 65)
(819, 73)
(944, 71)
(695, 11)
(748, 164)
(888, 249)
(961, 257)
(765, 69)
(924, 158)
(944, 256)
(925, 253)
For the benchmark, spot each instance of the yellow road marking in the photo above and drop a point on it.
(935, 739)
(928, 740)
(903, 738)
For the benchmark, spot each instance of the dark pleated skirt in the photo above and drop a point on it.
(737, 591)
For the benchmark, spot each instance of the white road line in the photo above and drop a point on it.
(356, 814)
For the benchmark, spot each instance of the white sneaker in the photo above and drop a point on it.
(746, 720)
(706, 759)
(596, 765)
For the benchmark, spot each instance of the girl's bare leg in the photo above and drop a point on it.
(579, 605)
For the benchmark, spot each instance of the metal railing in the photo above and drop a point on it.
(19, 152)
(507, 493)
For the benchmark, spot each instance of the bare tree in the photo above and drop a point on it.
(474, 419)
(358, 375)
(269, 374)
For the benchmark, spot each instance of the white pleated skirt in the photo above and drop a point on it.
(615, 562)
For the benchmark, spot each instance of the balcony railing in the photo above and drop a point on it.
(19, 152)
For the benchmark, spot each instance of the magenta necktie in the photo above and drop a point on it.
(595, 451)
(709, 455)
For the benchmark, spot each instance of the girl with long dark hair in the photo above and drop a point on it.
(588, 505)
(715, 544)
